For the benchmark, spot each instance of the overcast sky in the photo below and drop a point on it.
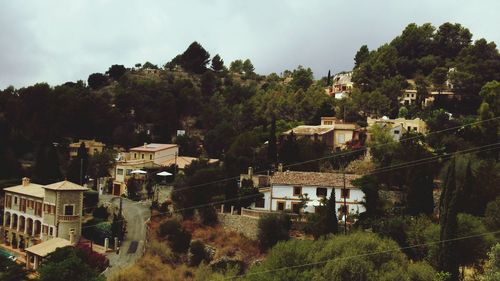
(59, 41)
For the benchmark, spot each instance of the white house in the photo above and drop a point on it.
(287, 187)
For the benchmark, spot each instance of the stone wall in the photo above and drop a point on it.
(242, 224)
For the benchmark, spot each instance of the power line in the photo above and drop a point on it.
(340, 154)
(364, 254)
(394, 167)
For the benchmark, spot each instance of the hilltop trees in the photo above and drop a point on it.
(217, 63)
(195, 58)
(97, 80)
(116, 71)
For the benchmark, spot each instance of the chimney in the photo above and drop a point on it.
(250, 172)
(72, 236)
(280, 167)
(26, 181)
(145, 144)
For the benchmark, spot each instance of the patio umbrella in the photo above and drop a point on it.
(138, 172)
(163, 174)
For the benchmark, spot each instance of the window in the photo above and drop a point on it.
(281, 206)
(414, 128)
(68, 210)
(321, 192)
(15, 200)
(409, 128)
(8, 201)
(328, 122)
(119, 172)
(150, 156)
(45, 229)
(38, 209)
(95, 150)
(135, 155)
(142, 156)
(297, 190)
(396, 132)
(341, 138)
(51, 231)
(296, 207)
(346, 193)
(260, 203)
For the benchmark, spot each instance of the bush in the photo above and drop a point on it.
(163, 251)
(100, 212)
(168, 228)
(177, 237)
(94, 259)
(208, 216)
(492, 216)
(90, 200)
(273, 228)
(198, 253)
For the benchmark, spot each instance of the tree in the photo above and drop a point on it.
(492, 267)
(302, 78)
(370, 187)
(438, 77)
(116, 71)
(195, 58)
(339, 258)
(248, 67)
(77, 169)
(272, 229)
(448, 210)
(492, 216)
(324, 221)
(148, 65)
(47, 168)
(217, 63)
(236, 66)
(118, 226)
(490, 109)
(97, 81)
(450, 39)
(11, 271)
(272, 151)
(361, 56)
(64, 264)
(208, 83)
(99, 164)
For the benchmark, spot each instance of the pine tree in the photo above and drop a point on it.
(448, 211)
(217, 63)
(47, 168)
(329, 79)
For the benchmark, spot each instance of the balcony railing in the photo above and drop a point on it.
(68, 218)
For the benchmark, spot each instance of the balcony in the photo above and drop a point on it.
(68, 218)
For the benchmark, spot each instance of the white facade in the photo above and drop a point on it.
(283, 195)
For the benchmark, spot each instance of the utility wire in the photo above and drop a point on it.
(363, 255)
(488, 147)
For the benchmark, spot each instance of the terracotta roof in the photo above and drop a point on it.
(310, 130)
(47, 247)
(65, 185)
(183, 161)
(32, 189)
(153, 147)
(312, 179)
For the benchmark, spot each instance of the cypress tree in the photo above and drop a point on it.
(331, 222)
(271, 149)
(329, 79)
(448, 211)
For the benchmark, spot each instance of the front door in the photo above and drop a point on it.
(116, 189)
(296, 207)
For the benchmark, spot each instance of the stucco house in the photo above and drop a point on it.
(399, 126)
(286, 189)
(92, 146)
(156, 152)
(35, 213)
(333, 132)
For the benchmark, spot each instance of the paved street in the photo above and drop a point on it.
(136, 214)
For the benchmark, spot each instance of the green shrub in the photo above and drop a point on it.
(178, 238)
(198, 253)
(100, 212)
(273, 228)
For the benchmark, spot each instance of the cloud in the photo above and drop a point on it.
(56, 41)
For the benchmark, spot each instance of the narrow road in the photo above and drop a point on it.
(136, 214)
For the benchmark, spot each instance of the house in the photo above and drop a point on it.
(123, 171)
(92, 146)
(36, 213)
(399, 126)
(37, 253)
(409, 97)
(287, 188)
(184, 161)
(342, 82)
(156, 152)
(259, 181)
(333, 132)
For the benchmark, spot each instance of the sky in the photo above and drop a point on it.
(58, 41)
